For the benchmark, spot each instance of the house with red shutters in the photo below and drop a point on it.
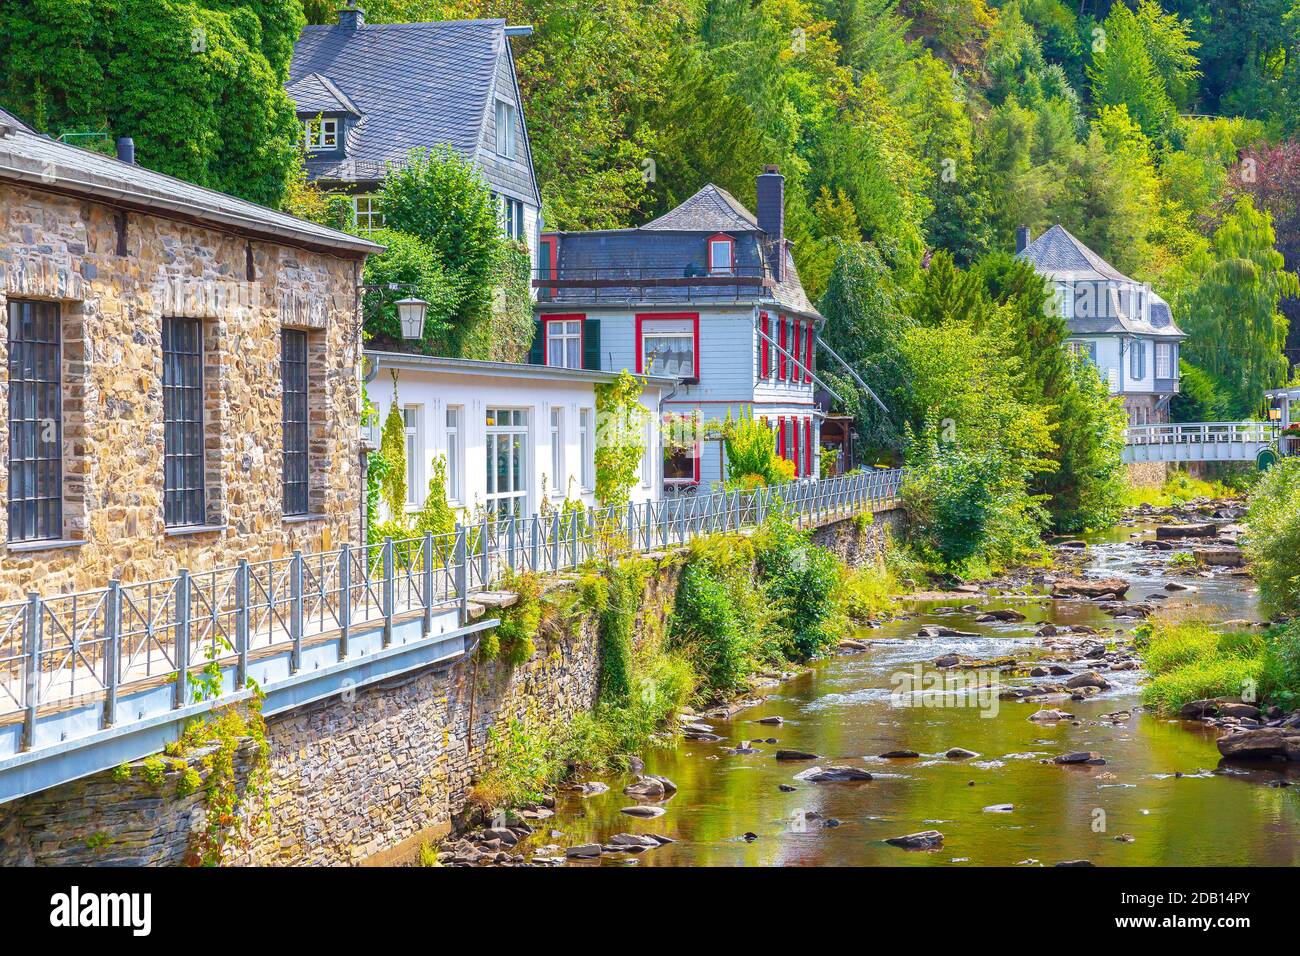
(707, 293)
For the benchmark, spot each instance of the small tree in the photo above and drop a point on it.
(437, 516)
(620, 439)
(392, 448)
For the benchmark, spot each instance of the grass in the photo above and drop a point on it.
(1180, 488)
(1190, 660)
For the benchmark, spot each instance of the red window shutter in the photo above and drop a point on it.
(784, 345)
(808, 353)
(796, 333)
(811, 468)
(784, 433)
(798, 451)
(765, 349)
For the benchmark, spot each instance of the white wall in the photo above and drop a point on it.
(433, 391)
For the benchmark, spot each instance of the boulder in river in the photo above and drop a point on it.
(583, 851)
(1000, 808)
(1000, 614)
(1261, 743)
(924, 840)
(795, 755)
(900, 754)
(1048, 716)
(1089, 587)
(1220, 557)
(960, 753)
(833, 775)
(1088, 679)
(1090, 757)
(623, 840)
(938, 630)
(643, 811)
(1165, 532)
(771, 720)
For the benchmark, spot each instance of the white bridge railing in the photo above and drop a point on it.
(91, 647)
(1198, 441)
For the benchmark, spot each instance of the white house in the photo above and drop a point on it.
(516, 438)
(1121, 325)
(708, 292)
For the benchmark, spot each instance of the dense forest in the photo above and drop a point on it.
(915, 136)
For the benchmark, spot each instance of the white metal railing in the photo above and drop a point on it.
(1259, 433)
(91, 646)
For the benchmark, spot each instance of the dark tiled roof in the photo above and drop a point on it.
(661, 250)
(314, 93)
(26, 157)
(710, 210)
(1060, 256)
(414, 85)
(1057, 251)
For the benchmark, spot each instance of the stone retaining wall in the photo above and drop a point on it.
(370, 776)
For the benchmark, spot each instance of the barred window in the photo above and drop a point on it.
(183, 488)
(35, 422)
(293, 383)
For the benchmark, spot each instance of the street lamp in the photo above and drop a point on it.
(411, 311)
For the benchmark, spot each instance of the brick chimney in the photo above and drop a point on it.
(352, 16)
(771, 215)
(1022, 238)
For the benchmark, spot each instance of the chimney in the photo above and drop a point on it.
(771, 215)
(352, 16)
(126, 149)
(1022, 238)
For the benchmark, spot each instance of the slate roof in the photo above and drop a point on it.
(413, 85)
(676, 245)
(44, 163)
(1060, 256)
(8, 119)
(314, 93)
(712, 209)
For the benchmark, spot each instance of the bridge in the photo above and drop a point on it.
(1199, 441)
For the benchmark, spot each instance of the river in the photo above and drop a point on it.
(1161, 798)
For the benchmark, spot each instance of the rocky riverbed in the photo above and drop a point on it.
(991, 725)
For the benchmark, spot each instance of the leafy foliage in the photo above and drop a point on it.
(1273, 536)
(620, 438)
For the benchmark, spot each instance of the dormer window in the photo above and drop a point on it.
(505, 129)
(321, 133)
(722, 255)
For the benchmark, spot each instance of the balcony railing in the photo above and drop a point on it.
(189, 630)
(667, 283)
(1202, 433)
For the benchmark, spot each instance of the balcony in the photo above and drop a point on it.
(667, 284)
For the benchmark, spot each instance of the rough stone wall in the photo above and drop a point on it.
(1147, 474)
(112, 308)
(857, 543)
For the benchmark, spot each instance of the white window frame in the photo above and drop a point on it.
(1164, 360)
(321, 133)
(367, 213)
(668, 329)
(567, 335)
(557, 451)
(730, 248)
(516, 498)
(505, 129)
(586, 448)
(416, 483)
(455, 452)
(647, 460)
(1137, 365)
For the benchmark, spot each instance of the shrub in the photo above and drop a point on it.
(705, 625)
(514, 639)
(1279, 682)
(801, 577)
(865, 593)
(436, 516)
(1272, 541)
(752, 459)
(1189, 660)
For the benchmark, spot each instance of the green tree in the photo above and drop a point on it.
(415, 267)
(197, 85)
(1229, 308)
(1123, 73)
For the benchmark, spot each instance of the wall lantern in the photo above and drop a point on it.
(411, 312)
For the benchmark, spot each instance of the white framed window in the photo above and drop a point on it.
(721, 256)
(564, 343)
(668, 347)
(321, 133)
(587, 448)
(455, 414)
(505, 129)
(1137, 359)
(369, 216)
(507, 462)
(557, 450)
(1164, 360)
(511, 214)
(415, 490)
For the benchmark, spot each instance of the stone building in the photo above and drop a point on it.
(181, 379)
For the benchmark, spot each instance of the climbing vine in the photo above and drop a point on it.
(514, 639)
(620, 439)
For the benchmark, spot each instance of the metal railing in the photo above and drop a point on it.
(1203, 433)
(89, 646)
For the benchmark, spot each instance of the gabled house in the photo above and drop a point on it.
(1121, 325)
(707, 293)
(367, 94)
